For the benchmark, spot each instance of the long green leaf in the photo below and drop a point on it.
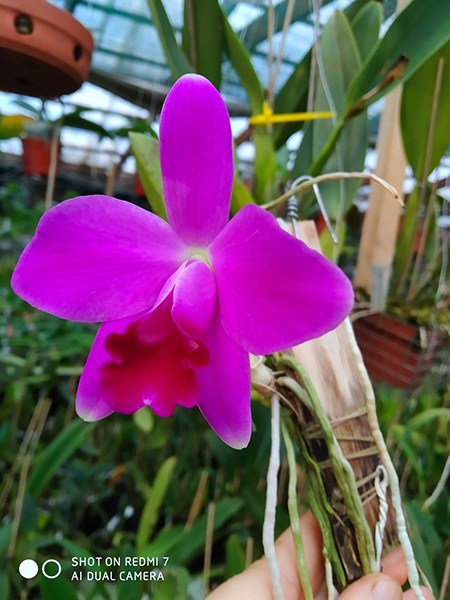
(235, 556)
(341, 61)
(240, 195)
(416, 34)
(203, 38)
(265, 159)
(425, 540)
(366, 27)
(176, 59)
(4, 585)
(146, 152)
(155, 497)
(57, 452)
(423, 418)
(242, 64)
(416, 110)
(293, 96)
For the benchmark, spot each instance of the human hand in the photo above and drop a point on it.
(254, 583)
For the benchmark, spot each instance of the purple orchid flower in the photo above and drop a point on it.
(182, 304)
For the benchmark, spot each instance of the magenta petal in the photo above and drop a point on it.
(274, 292)
(225, 388)
(196, 159)
(158, 372)
(194, 299)
(96, 258)
(89, 403)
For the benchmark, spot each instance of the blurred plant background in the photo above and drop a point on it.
(145, 486)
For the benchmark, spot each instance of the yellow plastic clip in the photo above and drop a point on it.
(267, 117)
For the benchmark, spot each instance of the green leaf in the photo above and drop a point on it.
(265, 165)
(46, 464)
(425, 540)
(242, 64)
(5, 534)
(366, 27)
(265, 159)
(407, 235)
(304, 156)
(403, 438)
(146, 152)
(176, 59)
(293, 96)
(415, 115)
(426, 416)
(183, 545)
(416, 34)
(153, 503)
(240, 195)
(235, 556)
(341, 61)
(76, 121)
(56, 589)
(204, 38)
(4, 585)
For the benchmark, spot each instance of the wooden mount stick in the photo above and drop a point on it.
(332, 367)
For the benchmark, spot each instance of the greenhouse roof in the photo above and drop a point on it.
(129, 60)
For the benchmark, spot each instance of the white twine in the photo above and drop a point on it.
(271, 502)
(381, 485)
(413, 574)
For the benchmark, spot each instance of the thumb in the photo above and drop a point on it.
(373, 587)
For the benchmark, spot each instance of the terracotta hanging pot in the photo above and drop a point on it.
(393, 351)
(44, 51)
(36, 155)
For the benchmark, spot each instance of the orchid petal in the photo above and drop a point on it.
(274, 292)
(96, 258)
(196, 159)
(225, 388)
(89, 404)
(194, 299)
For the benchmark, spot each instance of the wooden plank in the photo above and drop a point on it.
(331, 364)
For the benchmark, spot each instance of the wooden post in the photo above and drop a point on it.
(331, 364)
(381, 222)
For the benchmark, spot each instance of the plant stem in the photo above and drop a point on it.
(331, 177)
(294, 516)
(327, 149)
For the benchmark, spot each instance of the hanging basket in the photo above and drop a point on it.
(44, 51)
(395, 352)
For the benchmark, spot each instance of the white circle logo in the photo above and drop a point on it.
(28, 568)
(51, 560)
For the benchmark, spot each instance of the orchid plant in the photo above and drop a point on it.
(182, 304)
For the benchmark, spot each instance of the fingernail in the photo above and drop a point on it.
(387, 590)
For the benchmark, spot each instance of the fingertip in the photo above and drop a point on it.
(410, 595)
(394, 565)
(375, 586)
